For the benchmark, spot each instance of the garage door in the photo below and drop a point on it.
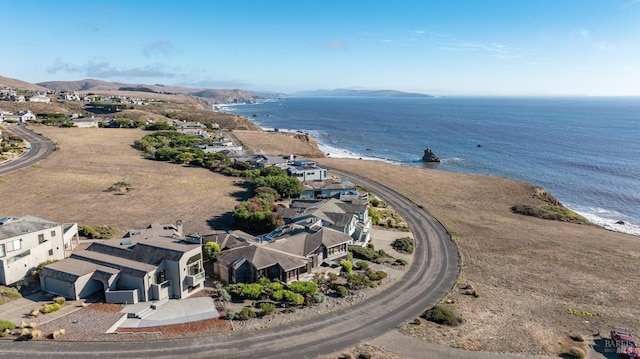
(59, 287)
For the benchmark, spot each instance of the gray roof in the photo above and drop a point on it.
(154, 252)
(70, 269)
(262, 257)
(23, 225)
(137, 269)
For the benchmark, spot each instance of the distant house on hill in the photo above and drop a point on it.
(40, 98)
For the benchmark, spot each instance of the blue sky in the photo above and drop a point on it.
(453, 47)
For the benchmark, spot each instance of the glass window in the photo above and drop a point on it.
(14, 245)
(2, 253)
(40, 238)
(53, 233)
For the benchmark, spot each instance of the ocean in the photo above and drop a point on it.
(585, 151)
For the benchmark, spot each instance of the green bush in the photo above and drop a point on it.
(10, 293)
(303, 287)
(400, 262)
(347, 266)
(6, 324)
(362, 265)
(341, 291)
(210, 250)
(50, 308)
(404, 245)
(267, 308)
(293, 298)
(377, 275)
(35, 273)
(277, 295)
(98, 232)
(443, 316)
(223, 295)
(59, 300)
(319, 297)
(365, 254)
(358, 281)
(231, 315)
(247, 313)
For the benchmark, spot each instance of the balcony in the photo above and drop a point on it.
(195, 279)
(160, 291)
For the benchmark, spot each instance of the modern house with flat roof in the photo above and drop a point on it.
(306, 170)
(28, 241)
(156, 263)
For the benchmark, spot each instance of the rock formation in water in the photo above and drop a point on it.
(429, 156)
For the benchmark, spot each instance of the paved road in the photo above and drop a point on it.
(41, 148)
(432, 274)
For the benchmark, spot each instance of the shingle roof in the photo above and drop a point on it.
(23, 225)
(70, 269)
(127, 266)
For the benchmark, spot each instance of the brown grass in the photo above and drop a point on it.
(528, 271)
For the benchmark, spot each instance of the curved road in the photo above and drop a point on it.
(429, 278)
(41, 148)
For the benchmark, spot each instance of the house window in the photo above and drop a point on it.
(14, 245)
(50, 252)
(53, 233)
(41, 238)
(2, 252)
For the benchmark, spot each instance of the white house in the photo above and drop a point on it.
(28, 241)
(40, 98)
(307, 170)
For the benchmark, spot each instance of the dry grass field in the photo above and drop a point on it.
(71, 185)
(529, 273)
(532, 276)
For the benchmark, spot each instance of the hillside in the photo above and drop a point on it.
(208, 96)
(357, 93)
(14, 83)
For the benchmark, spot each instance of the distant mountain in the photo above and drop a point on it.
(357, 93)
(14, 83)
(210, 96)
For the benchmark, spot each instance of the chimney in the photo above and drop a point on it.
(179, 227)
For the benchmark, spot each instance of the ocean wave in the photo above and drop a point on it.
(451, 160)
(603, 218)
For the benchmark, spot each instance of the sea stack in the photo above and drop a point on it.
(429, 156)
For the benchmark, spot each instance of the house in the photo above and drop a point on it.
(349, 218)
(28, 241)
(331, 188)
(70, 96)
(306, 170)
(155, 263)
(288, 254)
(220, 146)
(40, 98)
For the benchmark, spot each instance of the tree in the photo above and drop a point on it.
(210, 250)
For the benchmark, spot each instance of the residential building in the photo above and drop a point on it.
(288, 254)
(350, 218)
(28, 241)
(306, 170)
(155, 263)
(86, 122)
(40, 98)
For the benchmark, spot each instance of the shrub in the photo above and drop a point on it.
(35, 273)
(223, 295)
(319, 297)
(377, 275)
(50, 308)
(210, 250)
(293, 298)
(247, 313)
(362, 265)
(267, 308)
(332, 277)
(404, 245)
(365, 254)
(36, 333)
(400, 262)
(59, 300)
(304, 287)
(382, 253)
(231, 315)
(347, 266)
(443, 316)
(342, 291)
(358, 281)
(98, 232)
(277, 295)
(6, 324)
(10, 293)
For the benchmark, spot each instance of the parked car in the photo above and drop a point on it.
(625, 344)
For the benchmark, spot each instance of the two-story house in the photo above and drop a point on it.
(155, 263)
(28, 241)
